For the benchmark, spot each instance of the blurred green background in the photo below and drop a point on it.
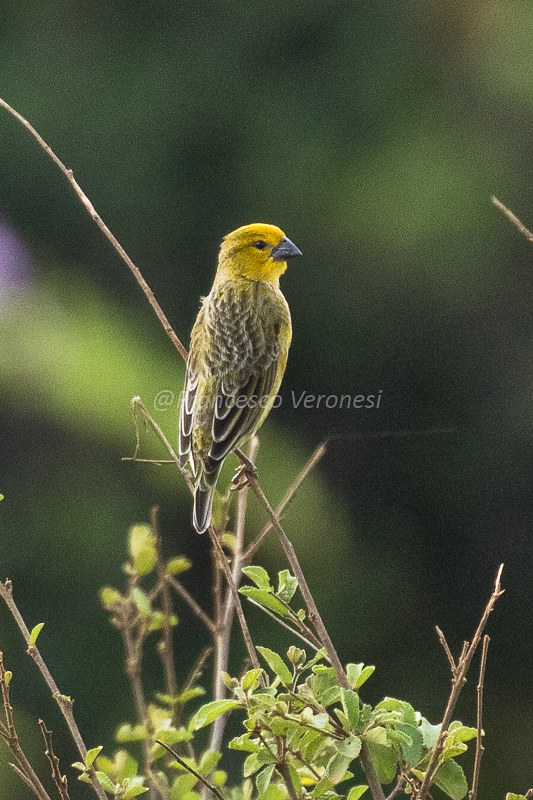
(374, 135)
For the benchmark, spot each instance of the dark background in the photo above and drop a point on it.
(374, 135)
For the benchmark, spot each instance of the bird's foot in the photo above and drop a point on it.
(244, 474)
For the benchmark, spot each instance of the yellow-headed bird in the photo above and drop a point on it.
(239, 347)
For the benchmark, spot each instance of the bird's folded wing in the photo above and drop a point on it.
(237, 411)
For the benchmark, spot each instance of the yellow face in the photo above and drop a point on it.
(257, 252)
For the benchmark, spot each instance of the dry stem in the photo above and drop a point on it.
(458, 681)
(60, 780)
(8, 732)
(479, 723)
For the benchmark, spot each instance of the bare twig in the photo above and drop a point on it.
(222, 637)
(514, 219)
(60, 780)
(166, 645)
(479, 723)
(236, 599)
(398, 788)
(8, 732)
(444, 643)
(310, 464)
(64, 702)
(312, 645)
(190, 769)
(458, 681)
(191, 602)
(69, 175)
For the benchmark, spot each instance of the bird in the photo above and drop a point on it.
(237, 358)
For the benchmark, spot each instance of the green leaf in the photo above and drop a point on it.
(384, 760)
(142, 549)
(251, 679)
(412, 752)
(273, 793)
(364, 676)
(277, 665)
(259, 576)
(430, 733)
(131, 733)
(451, 779)
(210, 711)
(110, 597)
(331, 695)
(177, 565)
(141, 600)
(356, 792)
(35, 631)
(296, 782)
(105, 782)
(350, 705)
(353, 671)
(287, 585)
(182, 785)
(461, 733)
(245, 743)
(350, 747)
(513, 796)
(91, 755)
(251, 765)
(266, 599)
(263, 778)
(125, 764)
(133, 791)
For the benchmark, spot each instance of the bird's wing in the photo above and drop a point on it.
(238, 409)
(190, 390)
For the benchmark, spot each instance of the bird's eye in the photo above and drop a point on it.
(260, 245)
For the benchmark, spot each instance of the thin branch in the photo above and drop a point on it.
(190, 769)
(166, 645)
(283, 624)
(236, 599)
(191, 602)
(514, 219)
(223, 636)
(310, 464)
(8, 732)
(458, 681)
(60, 780)
(64, 702)
(398, 788)
(69, 175)
(444, 643)
(479, 723)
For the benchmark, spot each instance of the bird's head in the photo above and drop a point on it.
(258, 252)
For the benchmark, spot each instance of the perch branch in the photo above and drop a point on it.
(69, 175)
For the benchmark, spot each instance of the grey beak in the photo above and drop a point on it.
(284, 250)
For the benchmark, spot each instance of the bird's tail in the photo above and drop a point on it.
(203, 504)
